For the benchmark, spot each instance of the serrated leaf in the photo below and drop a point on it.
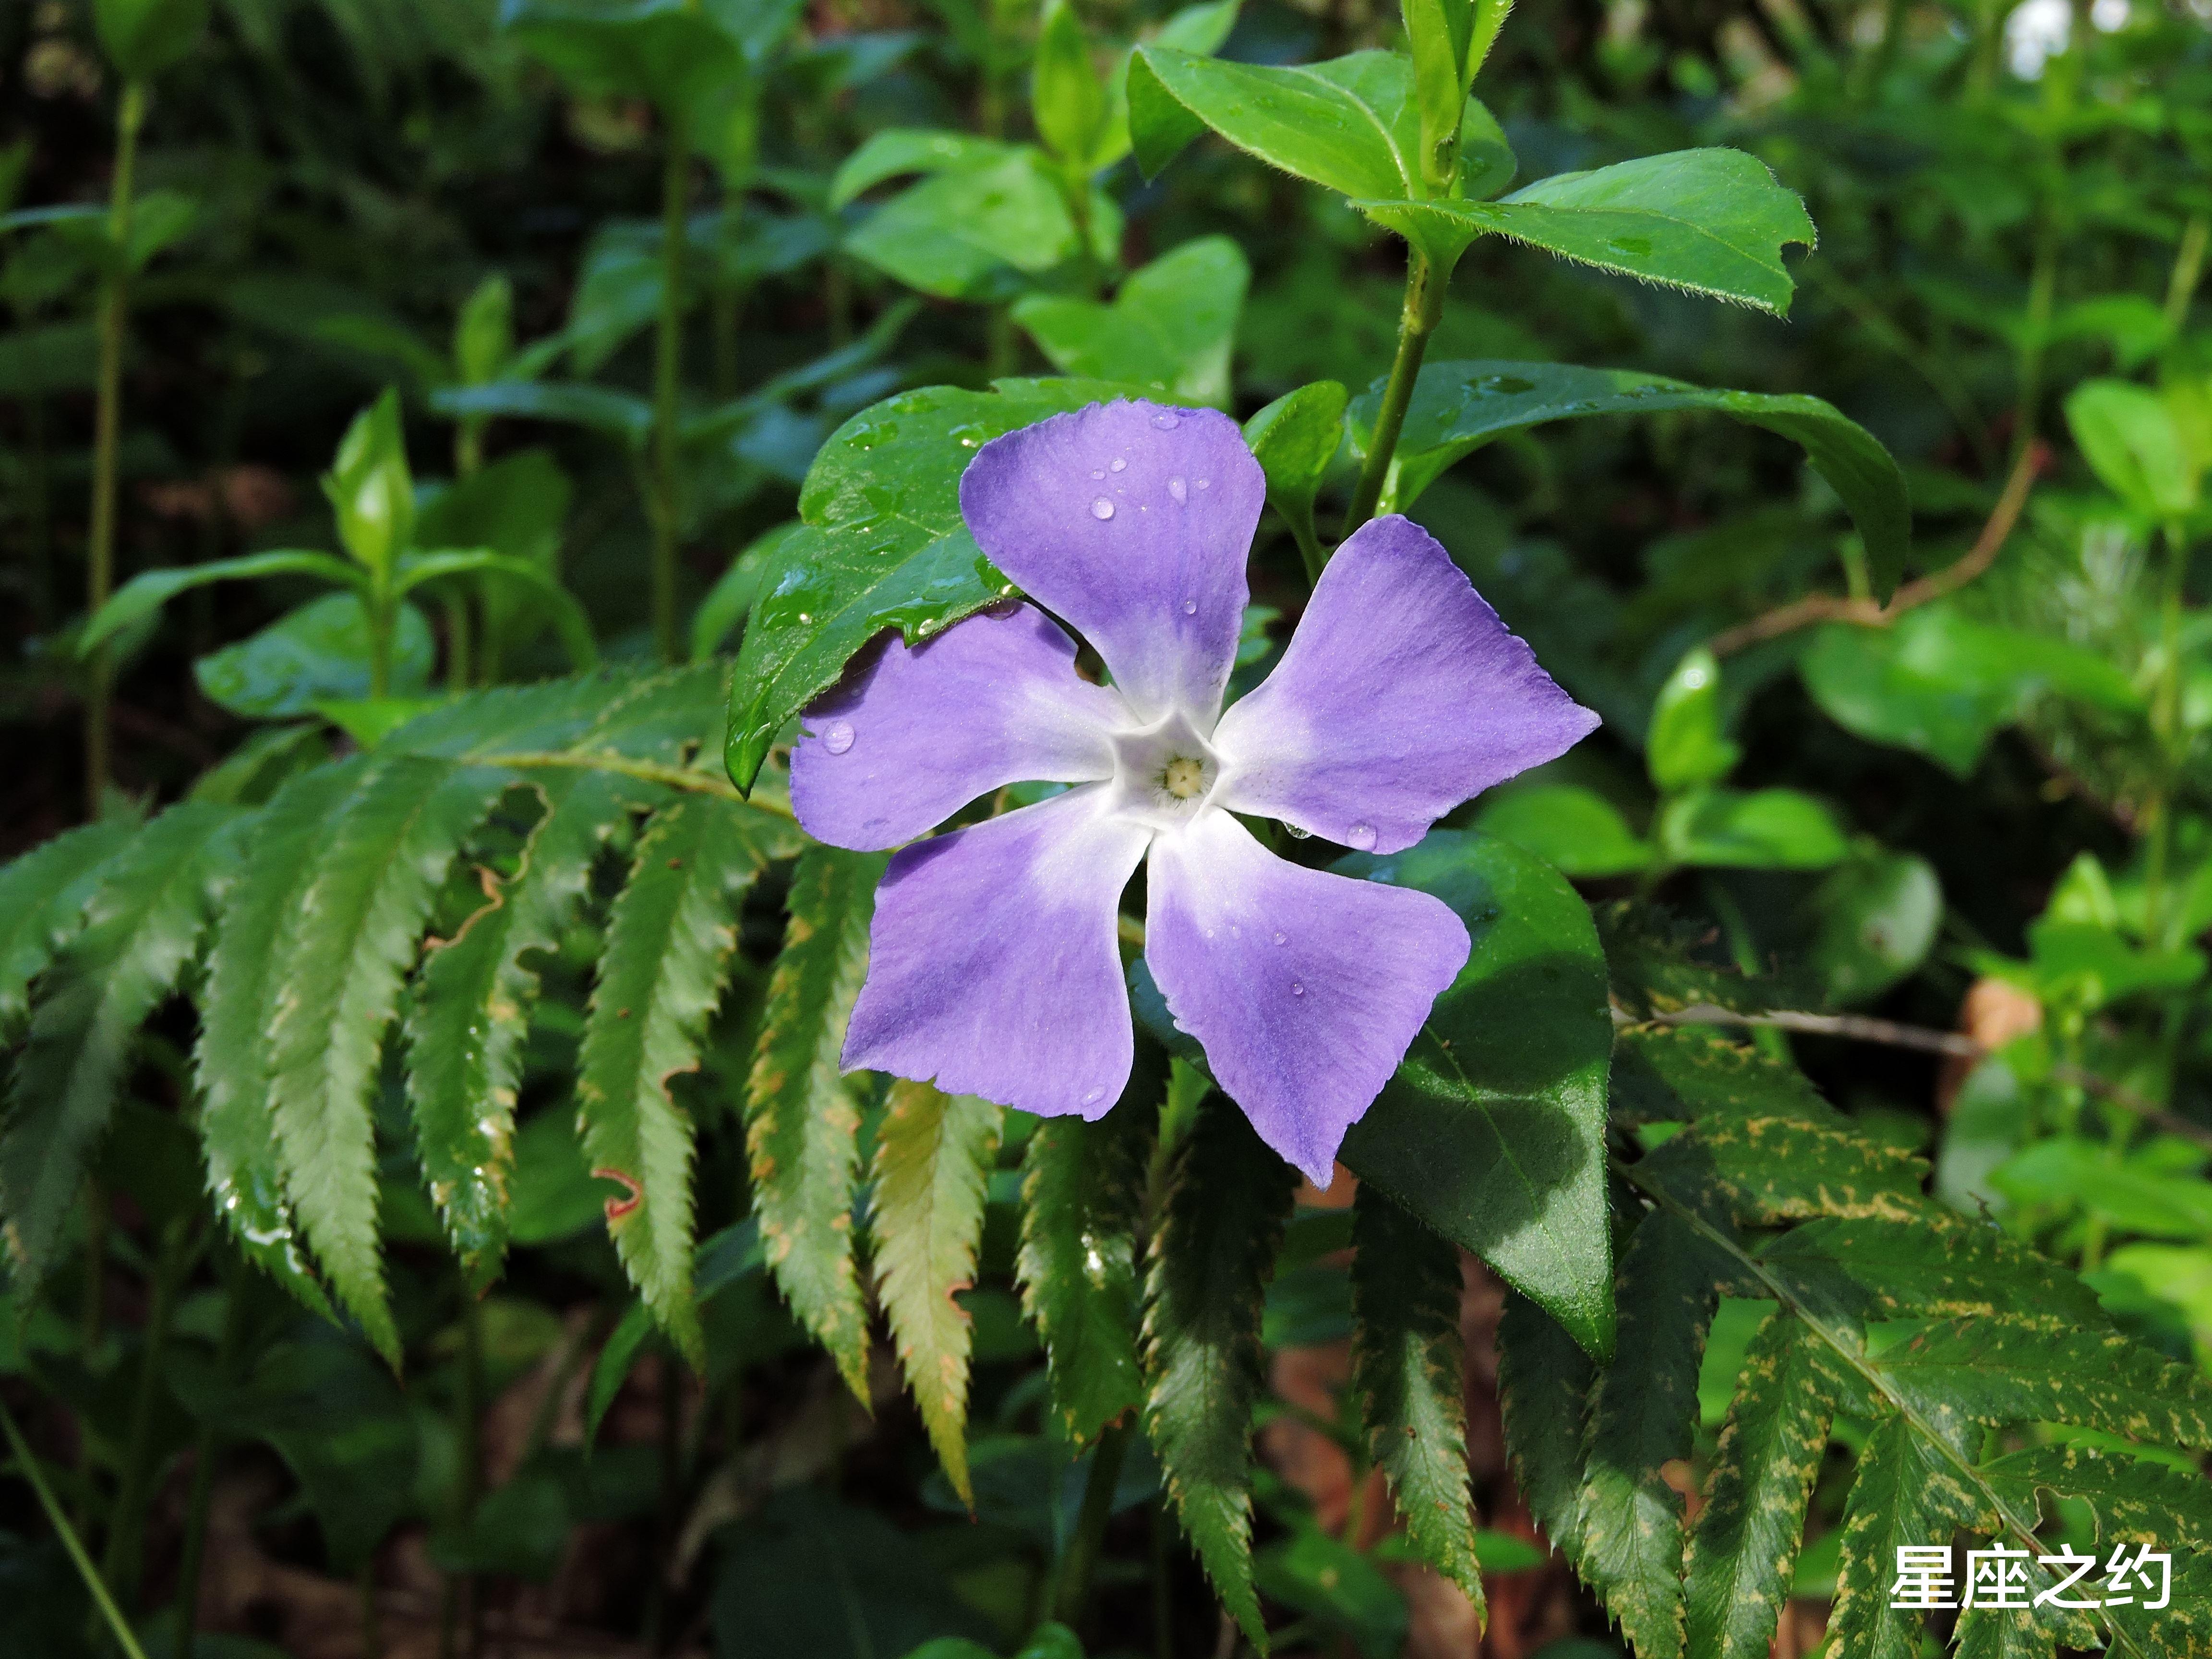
(934, 1153)
(884, 547)
(1935, 1263)
(1492, 1130)
(341, 951)
(1083, 1198)
(471, 1011)
(670, 936)
(1205, 1291)
(1684, 1073)
(2013, 1633)
(1905, 1493)
(1545, 1380)
(42, 899)
(1778, 1169)
(1743, 1547)
(1999, 1370)
(1407, 1364)
(802, 1115)
(1458, 407)
(1644, 1415)
(142, 926)
(1709, 221)
(231, 1064)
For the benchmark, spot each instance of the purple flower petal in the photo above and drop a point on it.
(920, 734)
(1131, 520)
(993, 968)
(1400, 695)
(1304, 988)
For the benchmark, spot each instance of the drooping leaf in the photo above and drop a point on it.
(933, 1155)
(1743, 1547)
(341, 950)
(1204, 1293)
(150, 590)
(1493, 1131)
(471, 1011)
(802, 1116)
(1644, 1415)
(1407, 1364)
(1458, 407)
(1170, 327)
(885, 549)
(142, 925)
(1082, 1194)
(1545, 1380)
(612, 413)
(42, 900)
(545, 588)
(674, 929)
(246, 1172)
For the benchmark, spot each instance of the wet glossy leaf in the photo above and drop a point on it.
(1170, 327)
(885, 547)
(1493, 1131)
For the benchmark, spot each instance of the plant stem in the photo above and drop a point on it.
(126, 1522)
(1424, 304)
(202, 1500)
(675, 180)
(380, 642)
(2188, 268)
(1082, 1556)
(107, 425)
(29, 1466)
(458, 667)
(2042, 287)
(2165, 724)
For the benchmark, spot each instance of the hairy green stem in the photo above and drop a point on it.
(1424, 304)
(1076, 1567)
(675, 183)
(107, 430)
(27, 1464)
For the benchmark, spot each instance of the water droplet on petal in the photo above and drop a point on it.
(1282, 938)
(837, 737)
(1091, 1098)
(1167, 422)
(1119, 465)
(1190, 607)
(1206, 484)
(1296, 990)
(1360, 836)
(1102, 508)
(1178, 488)
(1097, 472)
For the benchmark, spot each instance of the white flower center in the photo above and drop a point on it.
(1163, 773)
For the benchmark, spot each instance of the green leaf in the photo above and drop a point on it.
(1711, 221)
(142, 925)
(1905, 1491)
(1686, 747)
(2130, 439)
(1170, 327)
(1067, 99)
(42, 900)
(1407, 1364)
(160, 218)
(150, 590)
(341, 950)
(675, 53)
(1458, 407)
(1754, 829)
(1204, 1293)
(1878, 918)
(315, 654)
(1350, 124)
(39, 360)
(142, 38)
(1743, 1547)
(976, 233)
(803, 1115)
(1644, 1415)
(1996, 1369)
(483, 333)
(730, 600)
(1778, 1169)
(1493, 1131)
(467, 1023)
(1678, 1073)
(604, 409)
(231, 1064)
(1941, 682)
(887, 548)
(933, 1157)
(1545, 1380)
(1437, 35)
(1294, 439)
(371, 490)
(670, 939)
(569, 619)
(1083, 1200)
(612, 1368)
(899, 150)
(1575, 830)
(1932, 1260)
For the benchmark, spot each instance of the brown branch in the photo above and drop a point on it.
(1858, 1028)
(1865, 613)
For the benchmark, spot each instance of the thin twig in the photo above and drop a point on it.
(1865, 613)
(27, 1462)
(1859, 1027)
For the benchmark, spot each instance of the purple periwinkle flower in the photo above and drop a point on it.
(995, 969)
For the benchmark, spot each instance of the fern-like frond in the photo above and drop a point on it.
(42, 899)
